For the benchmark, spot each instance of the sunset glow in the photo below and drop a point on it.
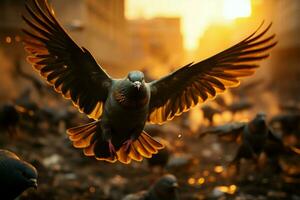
(233, 9)
(196, 15)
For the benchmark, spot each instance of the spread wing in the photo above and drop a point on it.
(71, 70)
(194, 83)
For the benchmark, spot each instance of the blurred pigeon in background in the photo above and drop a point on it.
(165, 188)
(121, 107)
(16, 175)
(254, 137)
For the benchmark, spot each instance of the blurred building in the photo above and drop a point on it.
(214, 40)
(282, 68)
(99, 25)
(11, 47)
(156, 44)
(285, 67)
(10, 27)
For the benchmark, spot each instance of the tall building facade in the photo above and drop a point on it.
(156, 43)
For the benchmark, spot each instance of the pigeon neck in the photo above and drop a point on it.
(131, 97)
(256, 127)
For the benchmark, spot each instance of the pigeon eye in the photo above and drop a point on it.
(24, 174)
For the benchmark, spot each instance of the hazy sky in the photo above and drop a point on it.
(196, 14)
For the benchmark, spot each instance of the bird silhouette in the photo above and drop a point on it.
(254, 138)
(16, 175)
(165, 188)
(121, 107)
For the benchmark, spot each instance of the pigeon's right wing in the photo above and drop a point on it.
(71, 70)
(228, 132)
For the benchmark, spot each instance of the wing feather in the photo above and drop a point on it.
(71, 70)
(196, 82)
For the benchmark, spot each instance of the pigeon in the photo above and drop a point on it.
(16, 175)
(121, 107)
(254, 137)
(165, 188)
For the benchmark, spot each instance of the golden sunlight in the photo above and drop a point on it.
(233, 9)
(196, 15)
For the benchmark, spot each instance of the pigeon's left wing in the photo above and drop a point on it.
(194, 83)
(275, 142)
(71, 70)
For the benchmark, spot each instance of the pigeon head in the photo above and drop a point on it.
(165, 188)
(260, 119)
(16, 175)
(26, 174)
(136, 78)
(258, 123)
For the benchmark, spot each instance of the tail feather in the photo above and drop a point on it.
(144, 146)
(81, 136)
(88, 137)
(84, 142)
(101, 151)
(80, 132)
(89, 151)
(141, 149)
(148, 146)
(123, 156)
(154, 143)
(134, 155)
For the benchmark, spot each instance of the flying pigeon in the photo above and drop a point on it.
(16, 175)
(121, 107)
(165, 188)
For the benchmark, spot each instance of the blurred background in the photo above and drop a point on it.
(155, 36)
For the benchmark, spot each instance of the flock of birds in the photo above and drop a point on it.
(254, 138)
(120, 108)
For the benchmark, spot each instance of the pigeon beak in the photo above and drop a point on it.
(33, 183)
(137, 84)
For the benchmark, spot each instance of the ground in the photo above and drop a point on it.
(199, 164)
